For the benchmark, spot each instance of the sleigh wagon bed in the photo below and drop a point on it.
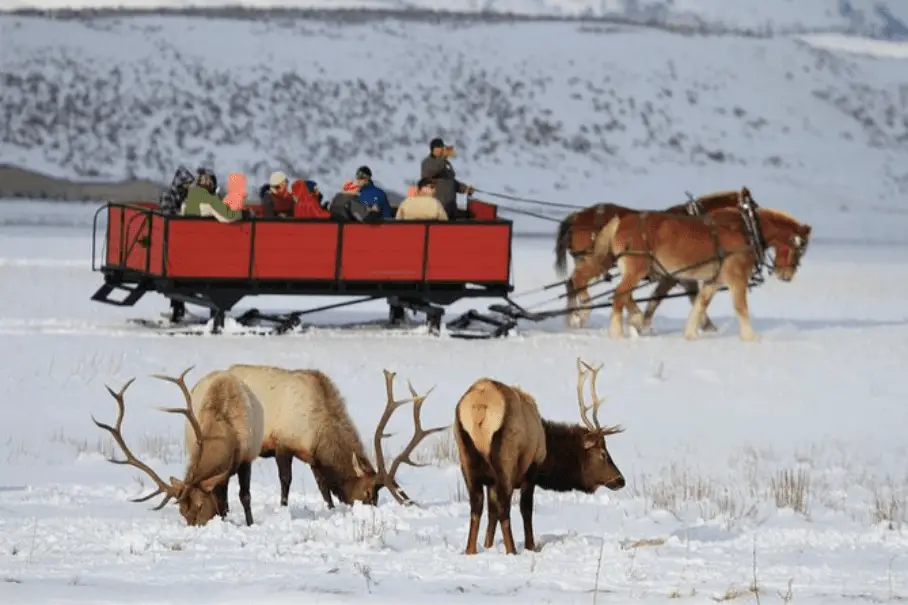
(420, 265)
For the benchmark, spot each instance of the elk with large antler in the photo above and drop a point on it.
(306, 418)
(505, 444)
(223, 437)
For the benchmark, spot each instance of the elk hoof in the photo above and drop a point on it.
(575, 321)
(690, 335)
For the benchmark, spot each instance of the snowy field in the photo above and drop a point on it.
(777, 465)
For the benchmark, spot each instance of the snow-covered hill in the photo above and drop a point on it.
(878, 18)
(569, 112)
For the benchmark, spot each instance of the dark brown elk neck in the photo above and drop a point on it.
(562, 470)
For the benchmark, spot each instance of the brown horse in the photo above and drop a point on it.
(715, 250)
(577, 234)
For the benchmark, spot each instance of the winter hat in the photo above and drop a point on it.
(351, 187)
(277, 179)
(364, 172)
(311, 185)
(436, 143)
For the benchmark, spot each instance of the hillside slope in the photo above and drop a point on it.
(559, 111)
(878, 18)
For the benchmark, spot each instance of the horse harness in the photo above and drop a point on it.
(748, 209)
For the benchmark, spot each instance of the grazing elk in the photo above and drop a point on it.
(306, 418)
(504, 444)
(223, 438)
(577, 235)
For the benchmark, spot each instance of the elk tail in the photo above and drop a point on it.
(480, 414)
(562, 243)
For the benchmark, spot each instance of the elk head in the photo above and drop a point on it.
(370, 483)
(597, 466)
(194, 493)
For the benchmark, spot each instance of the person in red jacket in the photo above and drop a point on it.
(277, 199)
(306, 205)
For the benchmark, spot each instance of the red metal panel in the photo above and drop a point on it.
(482, 211)
(383, 252)
(205, 248)
(295, 250)
(136, 238)
(156, 248)
(114, 222)
(468, 253)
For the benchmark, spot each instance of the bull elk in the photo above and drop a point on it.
(306, 418)
(223, 438)
(504, 443)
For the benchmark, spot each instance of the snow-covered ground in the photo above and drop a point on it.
(808, 126)
(715, 429)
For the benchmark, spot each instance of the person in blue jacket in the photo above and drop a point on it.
(371, 195)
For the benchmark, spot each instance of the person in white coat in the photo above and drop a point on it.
(423, 206)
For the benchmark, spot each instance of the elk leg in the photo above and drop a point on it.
(323, 487)
(220, 493)
(526, 511)
(284, 461)
(739, 299)
(504, 517)
(244, 475)
(476, 502)
(492, 523)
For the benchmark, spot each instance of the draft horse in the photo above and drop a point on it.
(719, 249)
(577, 235)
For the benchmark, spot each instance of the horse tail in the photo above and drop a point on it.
(603, 255)
(562, 243)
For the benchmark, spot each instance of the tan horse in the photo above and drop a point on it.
(577, 235)
(715, 250)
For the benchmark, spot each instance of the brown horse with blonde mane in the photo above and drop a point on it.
(577, 235)
(716, 250)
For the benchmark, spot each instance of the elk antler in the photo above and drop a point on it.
(180, 381)
(419, 434)
(584, 369)
(163, 488)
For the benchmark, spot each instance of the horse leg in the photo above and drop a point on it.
(738, 288)
(701, 302)
(693, 288)
(665, 284)
(632, 271)
(578, 294)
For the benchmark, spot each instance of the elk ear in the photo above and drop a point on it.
(591, 440)
(177, 484)
(358, 467)
(804, 231)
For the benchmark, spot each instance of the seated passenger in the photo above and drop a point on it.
(423, 206)
(277, 199)
(306, 205)
(371, 195)
(201, 202)
(171, 200)
(207, 180)
(345, 206)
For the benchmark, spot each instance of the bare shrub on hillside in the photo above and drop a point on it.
(889, 506)
(439, 449)
(791, 489)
